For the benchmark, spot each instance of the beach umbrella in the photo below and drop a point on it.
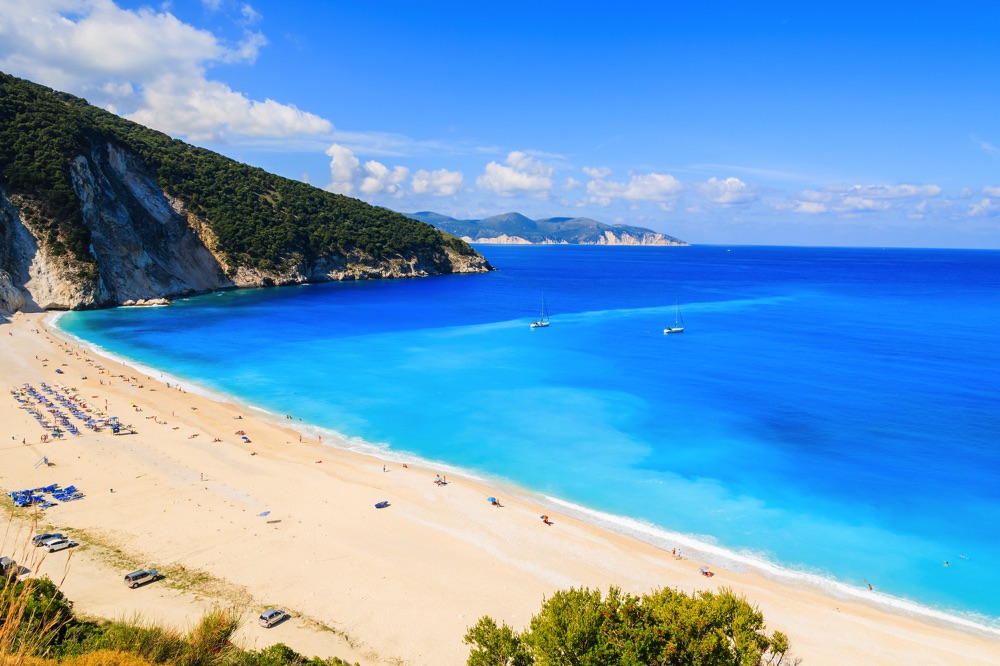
(491, 499)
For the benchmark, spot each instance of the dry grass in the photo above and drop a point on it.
(176, 576)
(97, 658)
(26, 626)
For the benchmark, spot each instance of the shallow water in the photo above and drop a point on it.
(831, 411)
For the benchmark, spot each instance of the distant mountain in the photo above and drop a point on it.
(516, 229)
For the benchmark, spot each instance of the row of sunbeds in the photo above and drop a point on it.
(37, 496)
(62, 421)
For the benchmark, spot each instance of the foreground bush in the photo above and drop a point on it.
(579, 626)
(32, 615)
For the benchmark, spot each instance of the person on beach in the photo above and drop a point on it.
(545, 519)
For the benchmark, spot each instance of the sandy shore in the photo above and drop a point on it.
(393, 586)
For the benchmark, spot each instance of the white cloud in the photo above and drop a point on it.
(728, 192)
(801, 204)
(210, 111)
(862, 199)
(905, 191)
(347, 174)
(985, 208)
(570, 184)
(640, 187)
(520, 175)
(440, 183)
(817, 195)
(991, 191)
(250, 15)
(920, 210)
(382, 180)
(809, 207)
(597, 172)
(862, 204)
(345, 169)
(147, 65)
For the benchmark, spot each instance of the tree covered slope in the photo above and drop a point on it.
(67, 168)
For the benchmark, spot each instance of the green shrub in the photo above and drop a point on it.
(667, 627)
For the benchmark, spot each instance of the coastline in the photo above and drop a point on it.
(694, 546)
(408, 581)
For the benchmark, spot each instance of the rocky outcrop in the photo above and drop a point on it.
(146, 246)
(502, 239)
(44, 280)
(607, 238)
(611, 237)
(11, 298)
(144, 302)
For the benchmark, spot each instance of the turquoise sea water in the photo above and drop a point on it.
(829, 416)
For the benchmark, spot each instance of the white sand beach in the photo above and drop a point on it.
(398, 585)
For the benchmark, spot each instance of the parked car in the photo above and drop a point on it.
(8, 567)
(271, 617)
(137, 578)
(42, 538)
(53, 545)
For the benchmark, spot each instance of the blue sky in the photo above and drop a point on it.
(799, 123)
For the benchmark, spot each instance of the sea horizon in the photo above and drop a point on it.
(512, 362)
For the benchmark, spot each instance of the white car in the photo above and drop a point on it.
(271, 617)
(141, 577)
(53, 545)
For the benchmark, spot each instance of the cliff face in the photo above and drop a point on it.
(607, 237)
(147, 246)
(625, 238)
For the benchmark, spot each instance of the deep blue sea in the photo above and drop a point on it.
(829, 416)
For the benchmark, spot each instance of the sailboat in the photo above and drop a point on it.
(543, 321)
(678, 326)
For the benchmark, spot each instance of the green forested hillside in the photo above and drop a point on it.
(260, 220)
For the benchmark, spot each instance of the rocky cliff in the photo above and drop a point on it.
(97, 211)
(146, 245)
